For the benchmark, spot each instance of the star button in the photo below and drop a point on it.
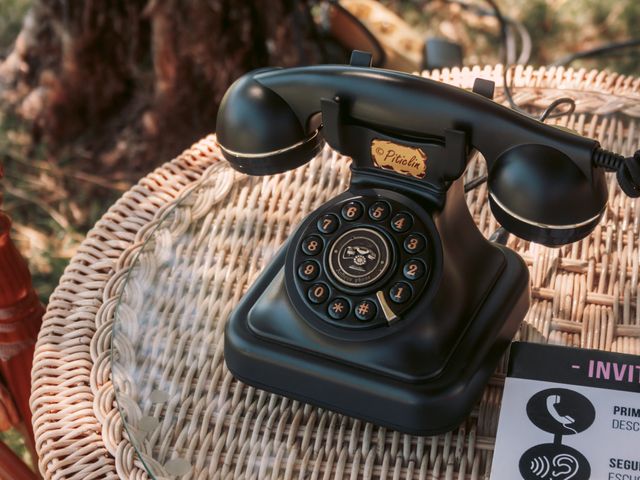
(338, 308)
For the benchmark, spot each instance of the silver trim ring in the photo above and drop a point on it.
(385, 256)
(542, 225)
(273, 152)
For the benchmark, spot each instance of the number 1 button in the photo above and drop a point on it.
(400, 292)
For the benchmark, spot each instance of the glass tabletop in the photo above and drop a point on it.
(182, 410)
(165, 349)
(182, 280)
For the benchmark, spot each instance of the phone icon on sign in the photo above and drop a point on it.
(564, 420)
(561, 411)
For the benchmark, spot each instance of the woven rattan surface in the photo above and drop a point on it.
(228, 225)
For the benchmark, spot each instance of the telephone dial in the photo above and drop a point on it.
(387, 303)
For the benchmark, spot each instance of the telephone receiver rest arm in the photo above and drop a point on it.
(543, 182)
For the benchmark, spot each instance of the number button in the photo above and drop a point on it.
(414, 243)
(308, 270)
(379, 211)
(365, 310)
(400, 292)
(318, 292)
(338, 308)
(312, 245)
(401, 222)
(327, 223)
(351, 211)
(413, 270)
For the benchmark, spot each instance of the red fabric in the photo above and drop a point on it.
(17, 374)
(9, 416)
(12, 467)
(20, 319)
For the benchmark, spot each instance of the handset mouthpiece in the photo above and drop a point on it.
(259, 133)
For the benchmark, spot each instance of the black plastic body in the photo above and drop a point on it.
(442, 53)
(423, 374)
(421, 367)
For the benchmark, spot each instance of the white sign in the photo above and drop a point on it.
(562, 431)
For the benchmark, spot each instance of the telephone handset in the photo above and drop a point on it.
(387, 303)
(564, 420)
(546, 183)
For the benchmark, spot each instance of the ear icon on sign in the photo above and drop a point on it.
(565, 466)
(552, 461)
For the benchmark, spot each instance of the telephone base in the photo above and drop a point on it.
(427, 407)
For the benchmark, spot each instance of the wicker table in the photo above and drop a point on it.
(136, 323)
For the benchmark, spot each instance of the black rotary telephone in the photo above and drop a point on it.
(387, 303)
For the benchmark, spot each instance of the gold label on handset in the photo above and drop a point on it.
(399, 158)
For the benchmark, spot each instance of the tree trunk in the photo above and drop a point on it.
(139, 80)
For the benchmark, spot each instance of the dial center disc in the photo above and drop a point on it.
(359, 257)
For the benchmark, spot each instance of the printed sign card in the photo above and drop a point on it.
(569, 414)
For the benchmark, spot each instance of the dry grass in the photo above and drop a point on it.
(557, 28)
(53, 201)
(54, 198)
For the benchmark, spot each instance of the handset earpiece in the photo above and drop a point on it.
(540, 194)
(258, 132)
